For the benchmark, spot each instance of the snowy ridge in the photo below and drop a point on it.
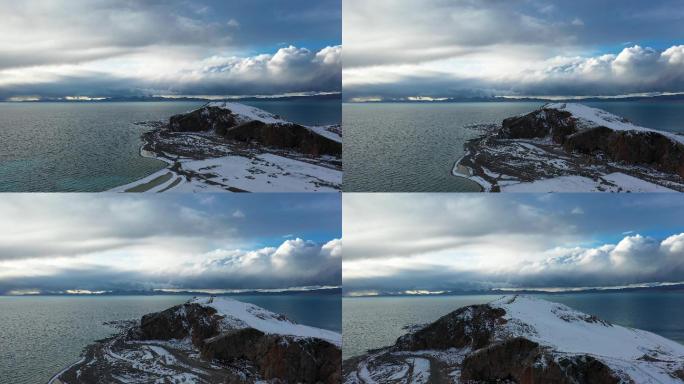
(521, 339)
(199, 162)
(643, 356)
(591, 117)
(560, 148)
(188, 344)
(244, 315)
(244, 113)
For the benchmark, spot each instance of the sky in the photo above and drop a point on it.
(106, 48)
(397, 243)
(398, 49)
(70, 242)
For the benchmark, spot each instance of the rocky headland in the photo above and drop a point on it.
(211, 340)
(233, 147)
(567, 147)
(519, 339)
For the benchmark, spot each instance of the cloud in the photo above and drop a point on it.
(292, 264)
(445, 242)
(289, 70)
(634, 259)
(98, 242)
(112, 48)
(464, 48)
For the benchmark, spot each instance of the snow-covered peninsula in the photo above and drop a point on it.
(566, 147)
(521, 339)
(225, 146)
(211, 340)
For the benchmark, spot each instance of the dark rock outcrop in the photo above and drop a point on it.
(179, 322)
(288, 358)
(643, 148)
(202, 120)
(637, 147)
(466, 327)
(278, 357)
(225, 123)
(519, 340)
(287, 136)
(539, 124)
(523, 361)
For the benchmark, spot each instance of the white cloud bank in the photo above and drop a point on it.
(96, 243)
(442, 242)
(104, 48)
(464, 48)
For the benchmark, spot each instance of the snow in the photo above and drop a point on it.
(245, 113)
(570, 184)
(568, 331)
(268, 173)
(265, 321)
(323, 131)
(224, 168)
(596, 117)
(421, 370)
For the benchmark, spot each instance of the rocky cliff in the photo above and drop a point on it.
(586, 130)
(242, 123)
(522, 340)
(212, 341)
(569, 147)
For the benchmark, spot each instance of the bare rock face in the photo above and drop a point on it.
(286, 136)
(520, 340)
(523, 361)
(637, 147)
(466, 327)
(202, 120)
(180, 322)
(197, 343)
(247, 129)
(296, 360)
(647, 148)
(540, 124)
(278, 357)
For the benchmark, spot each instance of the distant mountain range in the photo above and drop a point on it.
(299, 292)
(327, 96)
(495, 99)
(656, 287)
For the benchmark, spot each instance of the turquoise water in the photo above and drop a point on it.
(39, 336)
(374, 322)
(93, 147)
(412, 147)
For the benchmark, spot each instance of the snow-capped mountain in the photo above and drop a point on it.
(567, 147)
(211, 340)
(519, 339)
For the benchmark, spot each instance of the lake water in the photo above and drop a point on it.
(412, 147)
(374, 322)
(93, 147)
(39, 336)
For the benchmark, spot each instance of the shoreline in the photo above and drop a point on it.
(55, 379)
(150, 182)
(464, 172)
(498, 163)
(202, 162)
